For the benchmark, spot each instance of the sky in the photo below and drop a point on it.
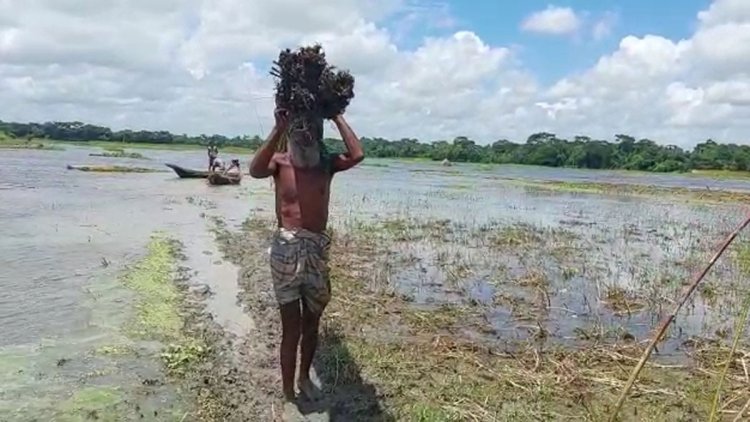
(677, 72)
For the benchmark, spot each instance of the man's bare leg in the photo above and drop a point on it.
(290, 334)
(310, 326)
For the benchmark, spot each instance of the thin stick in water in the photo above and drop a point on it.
(668, 320)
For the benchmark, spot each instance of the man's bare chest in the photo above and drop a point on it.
(293, 184)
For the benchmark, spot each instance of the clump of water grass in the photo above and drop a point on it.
(524, 235)
(158, 314)
(706, 195)
(113, 169)
(119, 153)
(179, 358)
(15, 143)
(621, 300)
(159, 304)
(94, 403)
(426, 365)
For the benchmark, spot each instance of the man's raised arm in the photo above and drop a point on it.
(354, 153)
(262, 164)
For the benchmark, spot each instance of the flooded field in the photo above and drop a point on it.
(489, 256)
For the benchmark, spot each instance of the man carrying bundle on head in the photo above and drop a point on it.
(302, 170)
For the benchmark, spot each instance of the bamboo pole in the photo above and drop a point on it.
(668, 320)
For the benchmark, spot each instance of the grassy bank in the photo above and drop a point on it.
(722, 174)
(697, 195)
(109, 145)
(10, 143)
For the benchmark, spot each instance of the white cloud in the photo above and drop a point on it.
(202, 66)
(680, 90)
(732, 92)
(725, 11)
(553, 20)
(602, 27)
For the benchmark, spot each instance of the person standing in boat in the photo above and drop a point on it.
(212, 153)
(296, 158)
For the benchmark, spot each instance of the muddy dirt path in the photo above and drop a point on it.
(240, 379)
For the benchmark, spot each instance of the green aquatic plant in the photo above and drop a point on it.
(639, 190)
(178, 358)
(151, 278)
(113, 169)
(92, 403)
(120, 154)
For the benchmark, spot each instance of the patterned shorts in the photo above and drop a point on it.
(299, 268)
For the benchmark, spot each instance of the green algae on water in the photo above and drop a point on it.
(158, 308)
(115, 350)
(93, 403)
(158, 315)
(179, 357)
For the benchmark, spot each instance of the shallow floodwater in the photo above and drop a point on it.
(65, 236)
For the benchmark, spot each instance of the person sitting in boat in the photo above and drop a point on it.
(217, 165)
(234, 167)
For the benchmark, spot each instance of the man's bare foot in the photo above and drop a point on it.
(308, 389)
(291, 412)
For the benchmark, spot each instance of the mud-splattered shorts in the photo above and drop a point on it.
(299, 268)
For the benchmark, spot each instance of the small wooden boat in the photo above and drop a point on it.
(220, 179)
(184, 173)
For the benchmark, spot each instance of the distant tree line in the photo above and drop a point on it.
(543, 149)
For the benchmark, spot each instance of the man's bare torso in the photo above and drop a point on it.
(302, 195)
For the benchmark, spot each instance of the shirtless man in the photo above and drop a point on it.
(302, 176)
(211, 157)
(213, 152)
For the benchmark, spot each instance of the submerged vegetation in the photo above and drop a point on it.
(7, 142)
(452, 320)
(158, 314)
(449, 362)
(159, 308)
(113, 169)
(114, 152)
(600, 188)
(122, 371)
